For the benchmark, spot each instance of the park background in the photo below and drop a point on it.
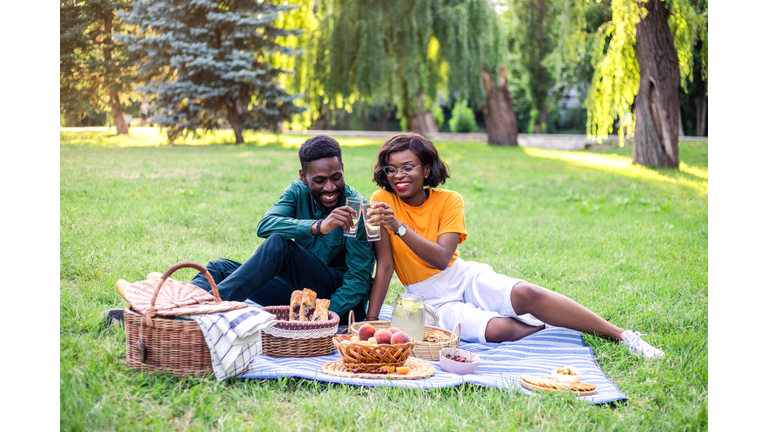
(728, 199)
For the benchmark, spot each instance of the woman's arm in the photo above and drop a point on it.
(437, 254)
(385, 266)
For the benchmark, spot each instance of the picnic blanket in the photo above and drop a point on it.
(501, 365)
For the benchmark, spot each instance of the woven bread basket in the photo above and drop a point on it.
(359, 357)
(298, 338)
(422, 350)
(158, 343)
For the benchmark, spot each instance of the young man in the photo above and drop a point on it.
(305, 246)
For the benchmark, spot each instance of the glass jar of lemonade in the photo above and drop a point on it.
(408, 315)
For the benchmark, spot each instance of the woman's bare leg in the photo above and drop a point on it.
(558, 310)
(504, 329)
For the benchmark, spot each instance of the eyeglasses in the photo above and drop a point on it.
(405, 169)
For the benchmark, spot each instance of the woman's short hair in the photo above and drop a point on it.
(422, 147)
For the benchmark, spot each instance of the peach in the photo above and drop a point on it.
(403, 370)
(372, 341)
(382, 336)
(400, 337)
(366, 331)
(394, 330)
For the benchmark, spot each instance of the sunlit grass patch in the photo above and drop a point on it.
(623, 165)
(155, 137)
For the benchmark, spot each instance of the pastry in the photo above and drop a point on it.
(321, 311)
(308, 298)
(550, 383)
(436, 336)
(295, 312)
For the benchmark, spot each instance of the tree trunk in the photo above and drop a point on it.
(701, 116)
(381, 119)
(500, 116)
(323, 121)
(423, 123)
(114, 99)
(237, 125)
(117, 112)
(657, 104)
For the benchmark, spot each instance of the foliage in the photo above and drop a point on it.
(206, 60)
(304, 19)
(617, 74)
(404, 52)
(531, 26)
(549, 64)
(462, 118)
(85, 75)
(124, 213)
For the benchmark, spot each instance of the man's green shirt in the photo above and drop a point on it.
(292, 217)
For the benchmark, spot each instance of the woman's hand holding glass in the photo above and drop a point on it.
(384, 216)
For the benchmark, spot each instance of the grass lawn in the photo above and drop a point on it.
(628, 242)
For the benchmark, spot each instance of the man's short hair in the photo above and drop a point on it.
(318, 147)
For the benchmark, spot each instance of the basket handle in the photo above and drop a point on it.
(455, 326)
(181, 265)
(351, 319)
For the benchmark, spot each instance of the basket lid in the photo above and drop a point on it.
(169, 297)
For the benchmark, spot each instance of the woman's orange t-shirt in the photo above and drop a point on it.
(443, 212)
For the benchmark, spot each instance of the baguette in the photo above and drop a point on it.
(120, 286)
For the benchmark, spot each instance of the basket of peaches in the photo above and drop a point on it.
(372, 350)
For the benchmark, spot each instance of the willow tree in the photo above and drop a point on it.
(402, 52)
(303, 21)
(532, 37)
(636, 80)
(548, 44)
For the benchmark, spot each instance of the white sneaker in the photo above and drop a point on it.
(638, 346)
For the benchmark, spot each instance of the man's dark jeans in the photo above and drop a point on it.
(272, 273)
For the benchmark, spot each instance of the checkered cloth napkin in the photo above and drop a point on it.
(234, 337)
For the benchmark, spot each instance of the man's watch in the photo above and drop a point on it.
(400, 231)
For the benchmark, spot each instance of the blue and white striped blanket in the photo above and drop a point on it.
(501, 365)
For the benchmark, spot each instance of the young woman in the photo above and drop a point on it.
(425, 226)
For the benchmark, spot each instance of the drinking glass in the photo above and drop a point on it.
(373, 232)
(355, 204)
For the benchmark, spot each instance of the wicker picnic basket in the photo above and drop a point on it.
(422, 350)
(163, 343)
(298, 338)
(359, 357)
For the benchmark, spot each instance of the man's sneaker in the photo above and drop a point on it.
(640, 347)
(112, 318)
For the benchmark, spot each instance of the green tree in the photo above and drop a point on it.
(93, 68)
(304, 18)
(532, 37)
(209, 60)
(649, 56)
(402, 52)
